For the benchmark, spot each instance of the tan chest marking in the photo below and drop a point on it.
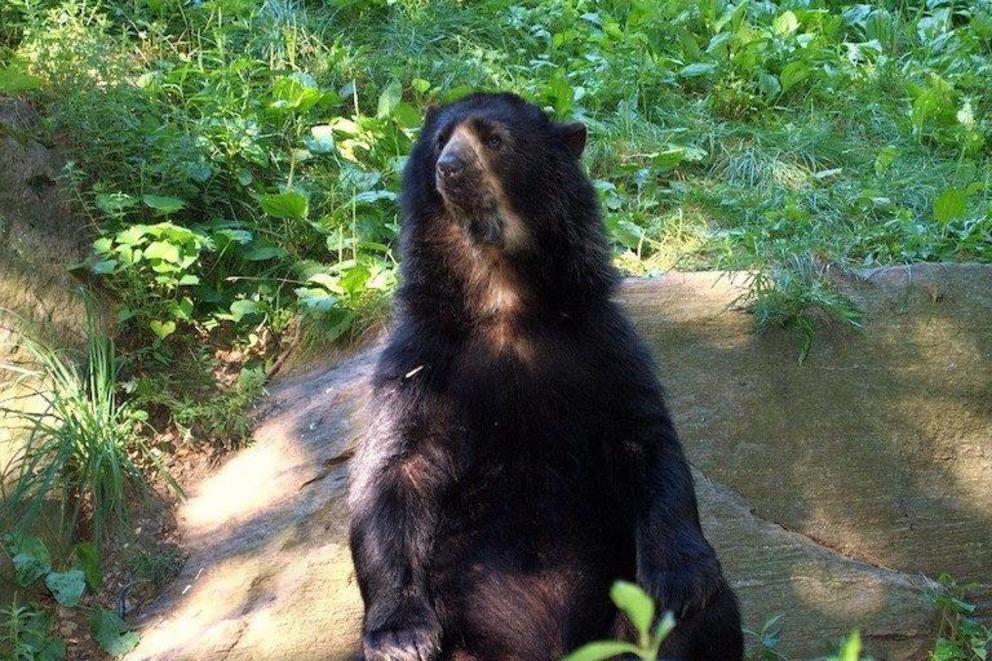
(494, 296)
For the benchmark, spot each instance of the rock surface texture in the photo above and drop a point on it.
(833, 490)
(39, 238)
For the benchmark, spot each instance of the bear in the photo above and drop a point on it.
(519, 456)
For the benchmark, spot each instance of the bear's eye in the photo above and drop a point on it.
(442, 139)
(493, 141)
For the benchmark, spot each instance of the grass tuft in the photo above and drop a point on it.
(82, 450)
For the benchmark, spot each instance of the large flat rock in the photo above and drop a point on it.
(833, 491)
(39, 239)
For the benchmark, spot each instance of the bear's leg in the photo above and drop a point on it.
(711, 634)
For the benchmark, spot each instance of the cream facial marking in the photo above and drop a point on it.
(466, 178)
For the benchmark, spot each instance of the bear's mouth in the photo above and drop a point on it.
(472, 205)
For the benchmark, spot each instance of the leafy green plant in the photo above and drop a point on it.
(32, 563)
(740, 135)
(222, 415)
(796, 300)
(154, 568)
(26, 631)
(640, 610)
(82, 449)
(161, 262)
(850, 649)
(25, 634)
(962, 636)
(111, 633)
(767, 640)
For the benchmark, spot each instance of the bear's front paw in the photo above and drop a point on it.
(416, 643)
(686, 587)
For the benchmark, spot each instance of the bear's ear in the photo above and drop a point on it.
(431, 114)
(574, 135)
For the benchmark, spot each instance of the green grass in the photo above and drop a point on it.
(25, 634)
(238, 161)
(962, 633)
(82, 453)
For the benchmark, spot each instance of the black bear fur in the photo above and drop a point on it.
(520, 456)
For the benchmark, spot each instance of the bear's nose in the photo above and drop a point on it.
(449, 165)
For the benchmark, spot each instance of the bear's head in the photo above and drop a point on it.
(500, 166)
(499, 218)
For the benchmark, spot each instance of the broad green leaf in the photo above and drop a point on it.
(371, 196)
(30, 557)
(390, 97)
(164, 204)
(562, 94)
(850, 650)
(769, 85)
(162, 329)
(625, 232)
(633, 601)
(668, 159)
(162, 250)
(133, 235)
(67, 587)
(288, 204)
(182, 309)
(407, 116)
(945, 650)
(599, 651)
(455, 92)
(880, 26)
(717, 45)
(785, 23)
(199, 171)
(297, 92)
(244, 307)
(327, 281)
(886, 157)
(88, 558)
(264, 252)
(949, 205)
(114, 203)
(792, 74)
(14, 79)
(420, 85)
(694, 154)
(689, 44)
(697, 69)
(112, 633)
(354, 279)
(242, 237)
(105, 266)
(320, 140)
(315, 298)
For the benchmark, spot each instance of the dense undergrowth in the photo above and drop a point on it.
(236, 163)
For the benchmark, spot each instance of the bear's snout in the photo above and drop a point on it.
(450, 165)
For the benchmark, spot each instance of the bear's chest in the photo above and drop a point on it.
(534, 409)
